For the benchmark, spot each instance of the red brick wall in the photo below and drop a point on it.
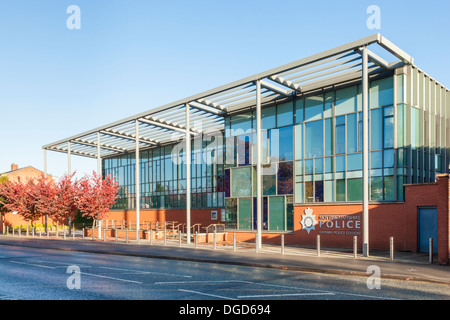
(201, 216)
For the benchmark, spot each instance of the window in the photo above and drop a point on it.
(314, 108)
(340, 135)
(346, 100)
(241, 180)
(285, 115)
(314, 139)
(285, 178)
(381, 92)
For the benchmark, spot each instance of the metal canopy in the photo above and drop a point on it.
(168, 123)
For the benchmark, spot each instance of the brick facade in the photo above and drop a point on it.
(23, 174)
(337, 224)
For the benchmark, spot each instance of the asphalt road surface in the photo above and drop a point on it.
(30, 274)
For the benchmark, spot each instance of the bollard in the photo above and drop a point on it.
(104, 234)
(40, 233)
(73, 233)
(234, 242)
(165, 238)
(318, 245)
(256, 243)
(20, 231)
(179, 239)
(391, 248)
(115, 234)
(430, 250)
(355, 247)
(127, 235)
(196, 238)
(82, 230)
(214, 238)
(13, 231)
(151, 235)
(7, 231)
(28, 230)
(282, 244)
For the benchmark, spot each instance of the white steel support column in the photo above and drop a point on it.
(138, 193)
(258, 166)
(45, 176)
(188, 174)
(99, 158)
(365, 115)
(99, 171)
(69, 169)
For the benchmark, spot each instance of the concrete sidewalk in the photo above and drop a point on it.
(405, 266)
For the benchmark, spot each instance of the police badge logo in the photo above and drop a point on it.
(308, 220)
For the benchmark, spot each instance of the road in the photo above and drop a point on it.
(31, 273)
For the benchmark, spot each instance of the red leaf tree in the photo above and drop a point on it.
(21, 198)
(97, 195)
(65, 206)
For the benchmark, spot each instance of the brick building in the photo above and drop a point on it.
(15, 174)
(347, 142)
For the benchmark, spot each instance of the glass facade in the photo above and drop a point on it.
(311, 153)
(163, 178)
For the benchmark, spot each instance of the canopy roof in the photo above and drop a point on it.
(168, 123)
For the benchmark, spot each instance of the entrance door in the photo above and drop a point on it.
(427, 228)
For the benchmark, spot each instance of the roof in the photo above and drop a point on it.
(19, 169)
(167, 123)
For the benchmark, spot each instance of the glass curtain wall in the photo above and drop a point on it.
(278, 168)
(163, 178)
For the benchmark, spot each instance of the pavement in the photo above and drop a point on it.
(405, 266)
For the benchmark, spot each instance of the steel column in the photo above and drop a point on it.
(45, 176)
(99, 171)
(365, 107)
(258, 165)
(138, 193)
(99, 158)
(69, 169)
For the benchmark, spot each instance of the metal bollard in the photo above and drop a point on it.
(196, 238)
(214, 239)
(13, 230)
(40, 233)
(234, 242)
(391, 248)
(127, 235)
(165, 234)
(430, 250)
(115, 234)
(104, 234)
(64, 233)
(282, 244)
(20, 231)
(318, 245)
(151, 236)
(355, 247)
(179, 239)
(256, 243)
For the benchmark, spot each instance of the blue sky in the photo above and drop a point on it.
(131, 56)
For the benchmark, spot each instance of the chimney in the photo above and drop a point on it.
(14, 166)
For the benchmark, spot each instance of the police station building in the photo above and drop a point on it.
(352, 141)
